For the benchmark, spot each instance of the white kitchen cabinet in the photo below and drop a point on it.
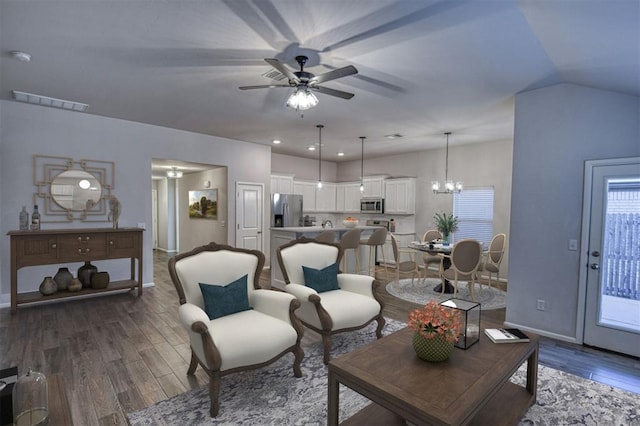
(282, 184)
(348, 197)
(374, 187)
(400, 196)
(308, 192)
(326, 198)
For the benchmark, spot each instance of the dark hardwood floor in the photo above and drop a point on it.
(109, 355)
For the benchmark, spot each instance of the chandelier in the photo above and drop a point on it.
(449, 186)
(302, 99)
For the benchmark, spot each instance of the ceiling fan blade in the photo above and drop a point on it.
(332, 75)
(332, 92)
(263, 86)
(280, 67)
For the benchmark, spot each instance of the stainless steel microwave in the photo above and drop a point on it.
(372, 205)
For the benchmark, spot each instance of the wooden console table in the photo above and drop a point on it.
(59, 246)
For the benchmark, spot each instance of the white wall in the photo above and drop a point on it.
(303, 168)
(26, 130)
(197, 232)
(556, 129)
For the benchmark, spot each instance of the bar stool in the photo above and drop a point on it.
(327, 236)
(351, 240)
(378, 238)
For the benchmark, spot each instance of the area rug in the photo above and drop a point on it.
(273, 396)
(421, 291)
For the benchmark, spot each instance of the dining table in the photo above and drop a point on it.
(437, 248)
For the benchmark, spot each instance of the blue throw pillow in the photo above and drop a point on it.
(321, 279)
(225, 300)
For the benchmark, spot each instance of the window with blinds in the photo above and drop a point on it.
(474, 209)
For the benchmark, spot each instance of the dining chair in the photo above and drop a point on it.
(465, 258)
(375, 240)
(406, 266)
(327, 236)
(428, 258)
(493, 258)
(351, 241)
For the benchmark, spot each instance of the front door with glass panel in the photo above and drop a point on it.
(612, 311)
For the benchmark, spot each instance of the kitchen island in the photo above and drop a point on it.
(281, 236)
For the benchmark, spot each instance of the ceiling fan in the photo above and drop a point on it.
(305, 81)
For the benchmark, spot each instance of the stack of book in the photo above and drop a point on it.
(506, 335)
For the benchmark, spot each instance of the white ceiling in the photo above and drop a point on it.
(425, 67)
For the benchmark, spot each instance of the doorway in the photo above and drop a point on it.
(610, 275)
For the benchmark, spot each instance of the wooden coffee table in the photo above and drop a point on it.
(471, 387)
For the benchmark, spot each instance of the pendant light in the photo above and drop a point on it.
(319, 126)
(362, 138)
(449, 186)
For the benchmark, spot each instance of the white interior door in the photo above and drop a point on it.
(249, 215)
(612, 255)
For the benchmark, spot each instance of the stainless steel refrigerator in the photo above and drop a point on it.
(286, 210)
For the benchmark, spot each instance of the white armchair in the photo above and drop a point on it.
(353, 305)
(263, 329)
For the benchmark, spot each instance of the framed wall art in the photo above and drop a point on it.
(203, 204)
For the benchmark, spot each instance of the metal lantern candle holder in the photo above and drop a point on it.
(30, 400)
(470, 318)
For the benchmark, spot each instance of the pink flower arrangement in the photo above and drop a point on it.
(436, 320)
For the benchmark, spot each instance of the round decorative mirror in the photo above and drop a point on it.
(76, 190)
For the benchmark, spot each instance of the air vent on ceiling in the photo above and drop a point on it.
(274, 75)
(47, 101)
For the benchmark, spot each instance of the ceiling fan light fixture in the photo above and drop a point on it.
(302, 99)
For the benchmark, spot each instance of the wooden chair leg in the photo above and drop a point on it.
(214, 393)
(356, 251)
(298, 354)
(193, 364)
(381, 322)
(326, 343)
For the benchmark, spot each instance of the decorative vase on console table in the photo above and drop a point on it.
(436, 329)
(48, 286)
(84, 273)
(75, 285)
(63, 278)
(100, 280)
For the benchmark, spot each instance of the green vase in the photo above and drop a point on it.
(434, 350)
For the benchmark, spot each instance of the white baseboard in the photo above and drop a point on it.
(570, 339)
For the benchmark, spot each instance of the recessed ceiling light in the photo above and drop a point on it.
(311, 148)
(341, 154)
(394, 136)
(47, 101)
(276, 141)
(21, 56)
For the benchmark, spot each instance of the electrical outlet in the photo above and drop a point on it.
(540, 305)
